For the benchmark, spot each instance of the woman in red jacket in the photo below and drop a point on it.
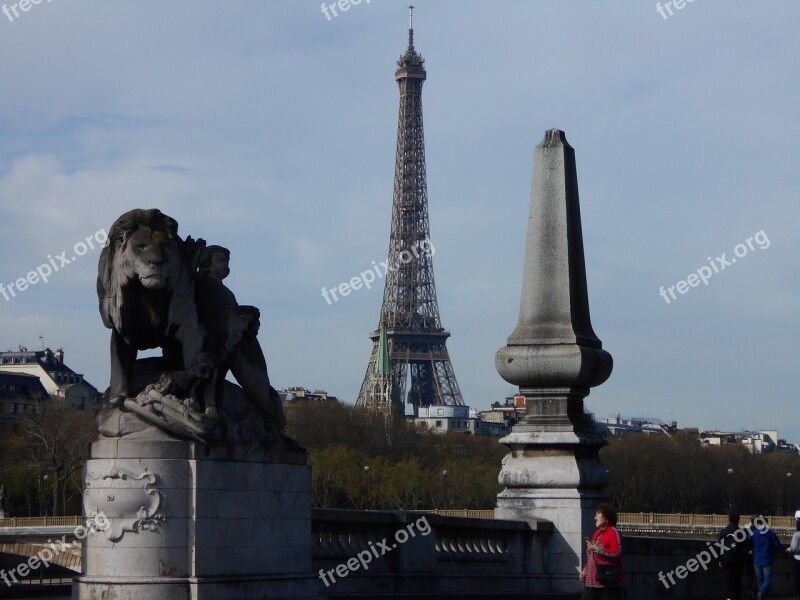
(602, 574)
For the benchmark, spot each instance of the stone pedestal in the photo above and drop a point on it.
(183, 524)
(556, 476)
(553, 471)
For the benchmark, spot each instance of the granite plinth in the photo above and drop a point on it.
(183, 523)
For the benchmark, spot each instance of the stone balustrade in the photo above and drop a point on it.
(68, 521)
(625, 519)
(695, 520)
(424, 552)
(466, 556)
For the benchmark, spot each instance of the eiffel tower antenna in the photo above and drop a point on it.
(420, 372)
(411, 26)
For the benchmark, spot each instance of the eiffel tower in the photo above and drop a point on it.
(419, 368)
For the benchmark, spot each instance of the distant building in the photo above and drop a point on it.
(757, 442)
(692, 432)
(54, 376)
(510, 413)
(293, 394)
(717, 438)
(493, 416)
(784, 446)
(18, 392)
(493, 428)
(461, 419)
(442, 419)
(618, 427)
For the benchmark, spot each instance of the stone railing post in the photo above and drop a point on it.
(553, 471)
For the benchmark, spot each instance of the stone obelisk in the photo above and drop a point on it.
(553, 471)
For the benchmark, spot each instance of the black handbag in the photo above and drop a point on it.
(607, 573)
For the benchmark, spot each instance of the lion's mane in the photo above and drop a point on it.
(116, 279)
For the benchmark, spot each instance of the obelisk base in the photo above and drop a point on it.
(554, 476)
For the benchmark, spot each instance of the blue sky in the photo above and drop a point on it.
(267, 128)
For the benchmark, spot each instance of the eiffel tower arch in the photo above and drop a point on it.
(419, 369)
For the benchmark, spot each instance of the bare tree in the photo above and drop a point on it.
(52, 441)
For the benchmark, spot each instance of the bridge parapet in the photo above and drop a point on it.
(696, 520)
(68, 521)
(64, 555)
(36, 534)
(692, 525)
(418, 552)
(458, 554)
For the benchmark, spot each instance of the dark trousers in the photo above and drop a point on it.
(796, 566)
(733, 580)
(750, 578)
(608, 593)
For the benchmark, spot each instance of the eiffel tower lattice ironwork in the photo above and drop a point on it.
(420, 371)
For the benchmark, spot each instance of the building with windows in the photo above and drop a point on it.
(493, 428)
(442, 419)
(55, 378)
(617, 426)
(757, 442)
(510, 413)
(18, 392)
(298, 394)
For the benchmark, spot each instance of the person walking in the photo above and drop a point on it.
(602, 574)
(794, 548)
(765, 542)
(734, 560)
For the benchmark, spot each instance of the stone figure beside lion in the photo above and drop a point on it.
(152, 295)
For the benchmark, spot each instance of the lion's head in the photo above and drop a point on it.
(143, 248)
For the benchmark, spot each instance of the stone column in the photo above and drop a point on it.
(553, 471)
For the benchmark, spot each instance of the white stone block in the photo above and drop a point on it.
(189, 527)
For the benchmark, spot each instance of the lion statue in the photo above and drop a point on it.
(145, 287)
(157, 290)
